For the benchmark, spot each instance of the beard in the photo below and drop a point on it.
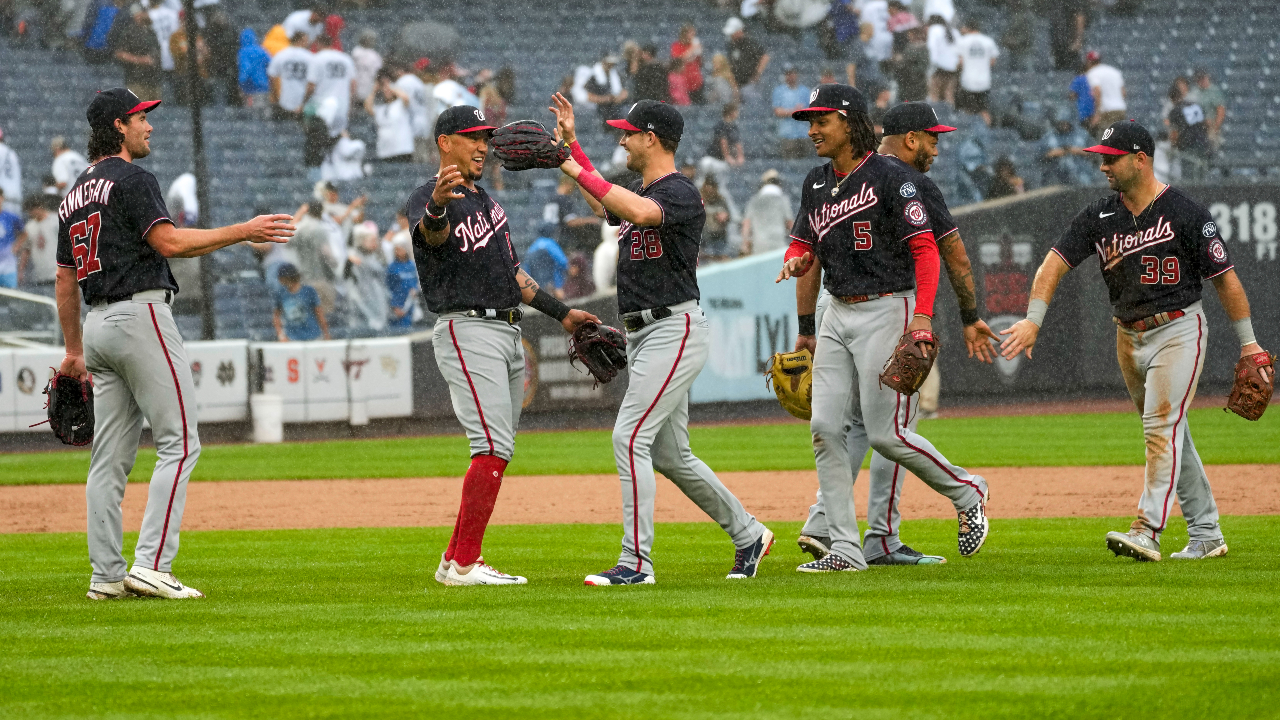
(139, 149)
(922, 161)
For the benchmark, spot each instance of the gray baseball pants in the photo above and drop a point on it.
(652, 432)
(1161, 369)
(483, 362)
(139, 367)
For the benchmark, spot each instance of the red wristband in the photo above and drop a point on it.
(596, 186)
(580, 157)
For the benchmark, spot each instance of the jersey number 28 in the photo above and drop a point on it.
(1159, 271)
(84, 245)
(645, 244)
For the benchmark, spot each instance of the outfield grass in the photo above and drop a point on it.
(319, 623)
(1043, 440)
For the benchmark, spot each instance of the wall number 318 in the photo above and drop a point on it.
(1248, 223)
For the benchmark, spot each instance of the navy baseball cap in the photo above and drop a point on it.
(1125, 138)
(832, 98)
(116, 104)
(652, 116)
(462, 119)
(913, 117)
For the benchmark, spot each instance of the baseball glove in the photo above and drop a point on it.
(526, 145)
(791, 375)
(602, 349)
(70, 407)
(910, 362)
(1255, 379)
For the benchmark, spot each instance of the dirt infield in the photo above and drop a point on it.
(285, 504)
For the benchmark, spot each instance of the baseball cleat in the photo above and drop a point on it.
(1201, 550)
(1137, 544)
(478, 573)
(974, 527)
(906, 556)
(815, 545)
(619, 575)
(153, 583)
(108, 591)
(830, 562)
(442, 572)
(747, 560)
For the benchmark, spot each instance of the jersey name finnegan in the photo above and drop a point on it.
(97, 190)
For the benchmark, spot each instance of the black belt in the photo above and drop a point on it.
(632, 322)
(168, 298)
(511, 316)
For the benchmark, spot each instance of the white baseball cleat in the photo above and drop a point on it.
(153, 583)
(478, 573)
(108, 591)
(442, 572)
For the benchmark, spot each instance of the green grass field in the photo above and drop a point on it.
(1045, 440)
(323, 623)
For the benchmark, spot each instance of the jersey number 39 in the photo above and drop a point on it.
(645, 244)
(84, 245)
(1159, 271)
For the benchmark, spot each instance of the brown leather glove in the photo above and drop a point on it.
(1255, 380)
(910, 362)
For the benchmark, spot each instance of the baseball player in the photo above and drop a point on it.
(659, 227)
(114, 238)
(472, 280)
(911, 138)
(862, 220)
(1155, 245)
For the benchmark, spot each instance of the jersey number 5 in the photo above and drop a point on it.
(645, 244)
(862, 235)
(1159, 271)
(84, 245)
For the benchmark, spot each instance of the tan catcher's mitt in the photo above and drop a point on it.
(910, 362)
(1255, 380)
(792, 377)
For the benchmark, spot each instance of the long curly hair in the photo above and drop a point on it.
(862, 134)
(104, 141)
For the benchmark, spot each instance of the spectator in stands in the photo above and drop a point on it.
(333, 25)
(944, 61)
(316, 261)
(1067, 20)
(1082, 95)
(978, 53)
(649, 80)
(505, 83)
(600, 86)
(901, 21)
(721, 89)
(747, 58)
(67, 164)
(577, 282)
(911, 67)
(1214, 103)
(389, 106)
(344, 215)
(449, 92)
(767, 221)
(223, 44)
(881, 99)
(345, 160)
(576, 227)
(399, 232)
(135, 48)
(1107, 86)
(97, 45)
(287, 73)
(1189, 133)
(1063, 155)
(418, 82)
(789, 96)
(10, 175)
(402, 286)
(1019, 34)
(724, 152)
(686, 60)
(715, 232)
(165, 21)
(367, 279)
(253, 61)
(944, 9)
(12, 237)
(309, 22)
(42, 242)
(331, 79)
(182, 201)
(298, 315)
(546, 262)
(839, 30)
(877, 41)
(1005, 181)
(368, 62)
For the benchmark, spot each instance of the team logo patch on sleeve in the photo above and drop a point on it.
(1210, 229)
(915, 214)
(908, 190)
(1217, 251)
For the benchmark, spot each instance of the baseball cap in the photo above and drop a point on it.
(116, 104)
(655, 117)
(287, 271)
(1124, 138)
(422, 63)
(1093, 56)
(733, 25)
(832, 98)
(462, 119)
(913, 117)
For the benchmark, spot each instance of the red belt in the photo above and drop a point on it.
(854, 299)
(1150, 323)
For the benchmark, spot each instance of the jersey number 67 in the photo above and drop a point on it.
(86, 253)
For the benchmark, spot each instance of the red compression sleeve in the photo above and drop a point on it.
(596, 186)
(580, 157)
(479, 494)
(796, 249)
(925, 251)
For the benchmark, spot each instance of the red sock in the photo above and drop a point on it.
(479, 493)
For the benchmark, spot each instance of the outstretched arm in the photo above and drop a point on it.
(1236, 303)
(1022, 336)
(175, 242)
(960, 272)
(536, 298)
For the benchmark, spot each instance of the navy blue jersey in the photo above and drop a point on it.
(476, 267)
(658, 266)
(860, 233)
(1152, 262)
(934, 203)
(102, 227)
